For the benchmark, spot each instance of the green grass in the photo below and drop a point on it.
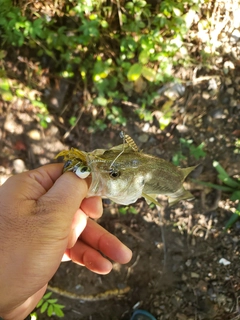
(229, 186)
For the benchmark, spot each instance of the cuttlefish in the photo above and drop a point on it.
(124, 173)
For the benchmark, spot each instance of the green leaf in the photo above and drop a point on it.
(2, 54)
(40, 303)
(177, 12)
(43, 124)
(220, 169)
(44, 307)
(50, 310)
(97, 124)
(167, 114)
(229, 181)
(197, 152)
(129, 5)
(212, 185)
(72, 120)
(133, 210)
(7, 96)
(185, 142)
(134, 72)
(123, 210)
(47, 295)
(20, 40)
(104, 24)
(52, 301)
(57, 309)
(177, 158)
(235, 196)
(12, 15)
(144, 56)
(141, 3)
(233, 218)
(39, 104)
(101, 101)
(149, 74)
(20, 93)
(4, 85)
(231, 221)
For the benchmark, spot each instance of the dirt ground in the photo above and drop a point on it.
(175, 272)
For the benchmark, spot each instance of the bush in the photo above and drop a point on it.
(108, 46)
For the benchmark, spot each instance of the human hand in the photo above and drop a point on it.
(42, 215)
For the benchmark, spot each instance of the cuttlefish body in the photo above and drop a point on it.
(124, 174)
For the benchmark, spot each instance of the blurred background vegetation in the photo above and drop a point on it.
(116, 51)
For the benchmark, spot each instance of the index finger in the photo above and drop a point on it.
(97, 237)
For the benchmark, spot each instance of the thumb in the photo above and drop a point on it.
(64, 198)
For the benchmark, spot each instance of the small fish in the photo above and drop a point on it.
(125, 174)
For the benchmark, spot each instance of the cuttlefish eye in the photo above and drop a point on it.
(82, 172)
(114, 174)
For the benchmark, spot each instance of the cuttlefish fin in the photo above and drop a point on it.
(181, 194)
(149, 198)
(187, 171)
(122, 147)
(97, 152)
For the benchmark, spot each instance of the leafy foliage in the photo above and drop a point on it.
(196, 152)
(127, 209)
(108, 45)
(10, 91)
(50, 306)
(230, 186)
(237, 146)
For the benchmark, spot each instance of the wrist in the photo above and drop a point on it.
(23, 310)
